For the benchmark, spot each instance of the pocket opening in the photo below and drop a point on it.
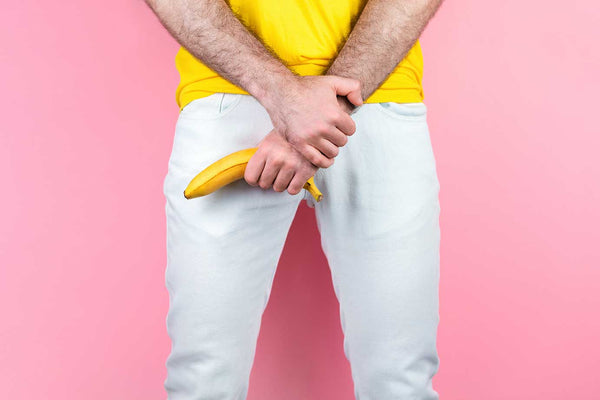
(405, 111)
(213, 106)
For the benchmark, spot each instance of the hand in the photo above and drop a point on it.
(307, 113)
(277, 164)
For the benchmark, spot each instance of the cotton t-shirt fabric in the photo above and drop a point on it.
(307, 36)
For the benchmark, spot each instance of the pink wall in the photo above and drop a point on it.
(88, 113)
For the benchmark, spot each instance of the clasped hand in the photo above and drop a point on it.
(311, 122)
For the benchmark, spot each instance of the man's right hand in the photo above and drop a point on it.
(306, 112)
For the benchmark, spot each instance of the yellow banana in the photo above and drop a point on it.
(227, 170)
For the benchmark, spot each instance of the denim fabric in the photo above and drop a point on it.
(379, 227)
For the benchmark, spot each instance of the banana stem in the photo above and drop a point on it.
(313, 189)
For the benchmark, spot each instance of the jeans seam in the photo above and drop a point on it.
(221, 103)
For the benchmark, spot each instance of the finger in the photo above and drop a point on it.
(349, 88)
(316, 157)
(254, 168)
(298, 181)
(355, 97)
(329, 149)
(335, 136)
(268, 175)
(345, 123)
(283, 179)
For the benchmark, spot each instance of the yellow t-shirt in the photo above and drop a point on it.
(306, 36)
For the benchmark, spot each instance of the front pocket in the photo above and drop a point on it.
(213, 106)
(404, 111)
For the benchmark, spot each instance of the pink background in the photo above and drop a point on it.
(88, 114)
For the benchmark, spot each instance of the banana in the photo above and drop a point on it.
(227, 170)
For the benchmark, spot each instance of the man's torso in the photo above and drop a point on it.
(307, 36)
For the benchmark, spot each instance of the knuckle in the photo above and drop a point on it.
(305, 172)
(290, 164)
(334, 116)
(315, 129)
(323, 127)
(278, 159)
(308, 133)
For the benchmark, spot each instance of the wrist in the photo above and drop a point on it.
(273, 89)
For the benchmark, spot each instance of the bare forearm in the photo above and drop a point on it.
(384, 33)
(210, 31)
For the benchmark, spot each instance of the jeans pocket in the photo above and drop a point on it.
(404, 111)
(213, 106)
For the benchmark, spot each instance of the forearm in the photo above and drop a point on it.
(211, 32)
(384, 33)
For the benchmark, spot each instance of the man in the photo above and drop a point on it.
(308, 83)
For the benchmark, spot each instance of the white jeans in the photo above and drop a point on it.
(379, 227)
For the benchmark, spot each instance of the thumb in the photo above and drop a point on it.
(347, 87)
